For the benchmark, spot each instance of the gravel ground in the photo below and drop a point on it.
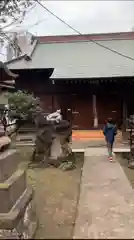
(56, 197)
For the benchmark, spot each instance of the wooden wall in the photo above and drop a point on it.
(79, 108)
(76, 102)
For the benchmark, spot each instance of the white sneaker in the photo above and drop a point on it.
(110, 159)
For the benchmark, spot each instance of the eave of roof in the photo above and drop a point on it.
(5, 73)
(15, 59)
(32, 73)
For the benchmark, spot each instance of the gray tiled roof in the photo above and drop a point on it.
(82, 59)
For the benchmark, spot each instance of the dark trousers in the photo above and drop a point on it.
(110, 148)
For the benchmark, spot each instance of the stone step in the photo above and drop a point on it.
(9, 161)
(11, 190)
(27, 130)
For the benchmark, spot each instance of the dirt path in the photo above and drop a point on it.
(56, 198)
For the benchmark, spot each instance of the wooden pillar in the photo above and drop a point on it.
(95, 115)
(124, 115)
(53, 98)
(94, 85)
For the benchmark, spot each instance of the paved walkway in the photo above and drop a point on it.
(106, 205)
(97, 144)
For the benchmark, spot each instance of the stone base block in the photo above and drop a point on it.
(131, 165)
(56, 148)
(21, 221)
(11, 190)
(9, 161)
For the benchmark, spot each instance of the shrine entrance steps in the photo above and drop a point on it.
(92, 135)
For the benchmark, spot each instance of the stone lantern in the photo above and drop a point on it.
(17, 214)
(131, 127)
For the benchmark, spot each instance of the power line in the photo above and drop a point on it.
(78, 32)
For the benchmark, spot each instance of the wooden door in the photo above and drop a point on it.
(77, 109)
(65, 104)
(82, 112)
(108, 106)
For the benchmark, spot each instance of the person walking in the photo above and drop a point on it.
(110, 132)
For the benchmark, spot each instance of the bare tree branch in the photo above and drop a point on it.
(13, 10)
(2, 8)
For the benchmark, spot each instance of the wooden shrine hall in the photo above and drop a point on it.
(88, 82)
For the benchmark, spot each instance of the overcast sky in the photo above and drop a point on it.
(86, 16)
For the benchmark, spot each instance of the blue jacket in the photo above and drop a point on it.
(109, 132)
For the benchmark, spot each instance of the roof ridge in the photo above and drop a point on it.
(86, 34)
(77, 37)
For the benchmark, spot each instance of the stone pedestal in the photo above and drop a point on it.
(17, 213)
(65, 157)
(56, 148)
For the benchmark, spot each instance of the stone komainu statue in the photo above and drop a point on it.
(44, 138)
(64, 130)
